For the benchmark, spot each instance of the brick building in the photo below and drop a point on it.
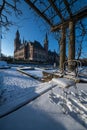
(33, 51)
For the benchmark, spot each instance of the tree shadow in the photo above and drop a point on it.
(78, 117)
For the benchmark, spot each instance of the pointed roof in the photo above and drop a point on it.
(46, 38)
(17, 33)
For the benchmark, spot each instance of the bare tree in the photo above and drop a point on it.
(80, 37)
(6, 10)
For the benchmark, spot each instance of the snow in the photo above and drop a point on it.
(83, 71)
(37, 73)
(20, 87)
(42, 105)
(3, 63)
(63, 82)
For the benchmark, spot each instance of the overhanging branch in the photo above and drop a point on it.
(38, 12)
(81, 14)
(68, 7)
(56, 9)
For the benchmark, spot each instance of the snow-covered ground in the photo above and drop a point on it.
(3, 64)
(35, 72)
(42, 113)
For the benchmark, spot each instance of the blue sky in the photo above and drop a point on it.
(31, 28)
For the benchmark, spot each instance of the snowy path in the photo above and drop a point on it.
(42, 113)
(19, 90)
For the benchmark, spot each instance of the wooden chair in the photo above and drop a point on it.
(70, 76)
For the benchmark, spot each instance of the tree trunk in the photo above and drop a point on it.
(62, 47)
(71, 54)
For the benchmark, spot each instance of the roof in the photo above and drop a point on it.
(37, 44)
(57, 12)
(52, 53)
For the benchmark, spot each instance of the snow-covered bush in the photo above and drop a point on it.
(3, 63)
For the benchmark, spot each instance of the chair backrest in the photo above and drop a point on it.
(71, 67)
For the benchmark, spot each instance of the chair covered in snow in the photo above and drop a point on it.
(70, 75)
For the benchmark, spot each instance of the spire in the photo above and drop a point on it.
(23, 40)
(46, 39)
(46, 44)
(17, 34)
(17, 41)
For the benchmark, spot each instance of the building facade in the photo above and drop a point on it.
(33, 51)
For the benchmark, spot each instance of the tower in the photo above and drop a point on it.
(46, 44)
(17, 41)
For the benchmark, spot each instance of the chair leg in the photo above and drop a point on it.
(77, 92)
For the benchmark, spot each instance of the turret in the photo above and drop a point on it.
(46, 44)
(17, 41)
